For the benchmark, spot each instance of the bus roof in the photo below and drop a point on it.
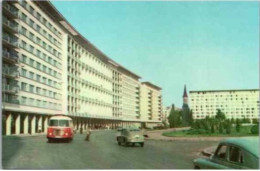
(61, 117)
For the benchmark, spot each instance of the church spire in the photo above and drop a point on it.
(185, 92)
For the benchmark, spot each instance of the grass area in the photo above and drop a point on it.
(244, 131)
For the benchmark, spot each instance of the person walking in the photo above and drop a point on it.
(88, 134)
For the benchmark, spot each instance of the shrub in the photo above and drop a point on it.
(255, 121)
(197, 131)
(255, 129)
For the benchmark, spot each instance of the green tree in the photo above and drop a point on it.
(220, 115)
(220, 128)
(238, 125)
(228, 126)
(174, 118)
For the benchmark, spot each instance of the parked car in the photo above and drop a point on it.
(234, 153)
(130, 136)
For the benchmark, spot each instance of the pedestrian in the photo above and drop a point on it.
(88, 134)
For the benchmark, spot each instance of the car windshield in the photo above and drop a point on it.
(62, 123)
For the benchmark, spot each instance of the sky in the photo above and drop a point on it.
(205, 45)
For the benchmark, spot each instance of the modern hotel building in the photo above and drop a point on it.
(49, 68)
(234, 103)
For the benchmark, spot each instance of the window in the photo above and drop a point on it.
(38, 65)
(38, 28)
(24, 59)
(38, 15)
(23, 44)
(235, 155)
(31, 9)
(38, 40)
(31, 49)
(44, 68)
(31, 75)
(38, 90)
(38, 103)
(24, 17)
(31, 89)
(31, 62)
(44, 80)
(23, 101)
(23, 31)
(44, 92)
(31, 23)
(38, 78)
(221, 152)
(24, 87)
(24, 72)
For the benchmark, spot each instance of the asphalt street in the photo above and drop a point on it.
(102, 152)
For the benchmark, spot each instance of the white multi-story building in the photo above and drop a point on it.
(150, 106)
(130, 95)
(32, 66)
(234, 103)
(50, 68)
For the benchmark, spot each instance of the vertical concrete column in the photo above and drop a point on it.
(40, 124)
(17, 124)
(45, 122)
(85, 124)
(33, 124)
(25, 124)
(8, 124)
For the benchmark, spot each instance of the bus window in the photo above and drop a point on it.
(53, 123)
(63, 123)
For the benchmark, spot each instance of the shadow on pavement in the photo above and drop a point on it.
(11, 146)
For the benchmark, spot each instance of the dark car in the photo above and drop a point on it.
(234, 153)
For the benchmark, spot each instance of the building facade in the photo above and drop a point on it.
(150, 103)
(234, 103)
(49, 68)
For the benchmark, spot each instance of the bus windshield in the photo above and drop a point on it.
(61, 123)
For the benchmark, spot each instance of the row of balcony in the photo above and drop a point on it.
(10, 10)
(12, 89)
(10, 56)
(10, 41)
(11, 72)
(10, 26)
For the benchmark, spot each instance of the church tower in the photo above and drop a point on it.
(185, 109)
(185, 96)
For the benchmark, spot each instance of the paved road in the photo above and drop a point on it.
(102, 152)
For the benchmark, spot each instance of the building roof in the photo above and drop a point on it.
(129, 73)
(53, 13)
(250, 144)
(185, 92)
(196, 91)
(152, 85)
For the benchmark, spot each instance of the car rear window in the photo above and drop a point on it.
(235, 155)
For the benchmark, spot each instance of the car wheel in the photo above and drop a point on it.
(196, 167)
(133, 144)
(142, 144)
(118, 142)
